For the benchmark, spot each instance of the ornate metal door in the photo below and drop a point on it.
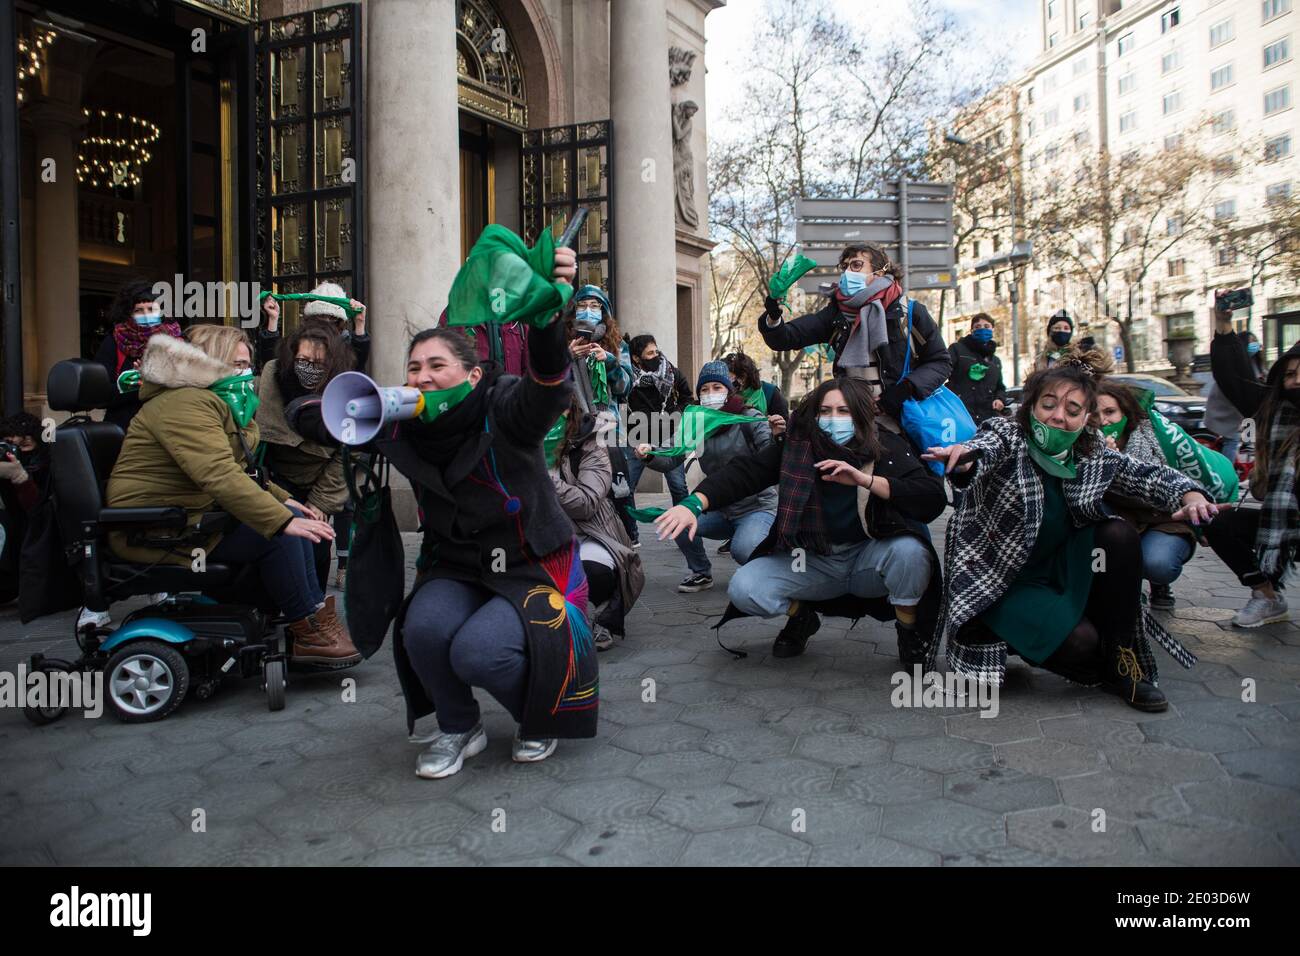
(564, 167)
(310, 215)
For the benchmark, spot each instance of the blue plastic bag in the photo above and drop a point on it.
(939, 419)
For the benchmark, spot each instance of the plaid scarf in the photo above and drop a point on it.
(800, 522)
(661, 378)
(1277, 542)
(131, 337)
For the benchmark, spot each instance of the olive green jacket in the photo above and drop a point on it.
(183, 449)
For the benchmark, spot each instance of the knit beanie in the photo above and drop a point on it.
(1062, 315)
(327, 310)
(715, 371)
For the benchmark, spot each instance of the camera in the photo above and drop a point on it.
(8, 448)
(1236, 299)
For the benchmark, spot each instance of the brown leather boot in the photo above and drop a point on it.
(322, 638)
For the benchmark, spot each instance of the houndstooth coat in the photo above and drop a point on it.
(992, 533)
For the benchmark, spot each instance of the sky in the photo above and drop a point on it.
(990, 24)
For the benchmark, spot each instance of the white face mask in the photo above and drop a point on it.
(713, 400)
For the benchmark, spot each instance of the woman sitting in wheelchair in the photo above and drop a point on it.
(852, 504)
(191, 445)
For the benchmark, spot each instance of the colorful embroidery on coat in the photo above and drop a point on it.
(565, 607)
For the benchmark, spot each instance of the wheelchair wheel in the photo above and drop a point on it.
(273, 672)
(40, 716)
(146, 681)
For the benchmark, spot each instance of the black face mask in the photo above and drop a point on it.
(652, 365)
(1062, 339)
(1291, 395)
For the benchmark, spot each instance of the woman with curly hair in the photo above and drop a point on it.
(602, 374)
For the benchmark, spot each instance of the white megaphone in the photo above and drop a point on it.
(355, 408)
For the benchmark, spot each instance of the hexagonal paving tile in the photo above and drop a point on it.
(1197, 735)
(872, 851)
(943, 754)
(1000, 789)
(1243, 801)
(1049, 758)
(889, 783)
(844, 750)
(1170, 764)
(410, 826)
(683, 768)
(747, 846)
(514, 834)
(1201, 842)
(822, 818)
(1122, 796)
(993, 730)
(660, 738)
(710, 807)
(638, 841)
(1274, 765)
(604, 801)
(943, 825)
(1068, 834)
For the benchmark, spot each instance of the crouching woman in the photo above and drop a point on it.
(1034, 561)
(853, 502)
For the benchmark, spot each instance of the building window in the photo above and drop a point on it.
(1278, 52)
(1225, 166)
(1171, 61)
(1174, 141)
(1275, 8)
(1125, 44)
(975, 246)
(1221, 77)
(1225, 121)
(1227, 209)
(1169, 20)
(1029, 129)
(1221, 33)
(1127, 83)
(1051, 9)
(1080, 65)
(1081, 137)
(1177, 267)
(1085, 19)
(1278, 192)
(1275, 101)
(1031, 96)
(1173, 102)
(1049, 82)
(1051, 39)
(1174, 226)
(1279, 147)
(1051, 118)
(1128, 121)
(1226, 256)
(1081, 102)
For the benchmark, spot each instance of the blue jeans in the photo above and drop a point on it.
(286, 565)
(1230, 445)
(898, 568)
(1163, 556)
(746, 533)
(460, 636)
(696, 559)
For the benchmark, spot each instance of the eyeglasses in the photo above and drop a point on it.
(855, 265)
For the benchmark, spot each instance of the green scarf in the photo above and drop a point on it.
(504, 281)
(239, 393)
(129, 381)
(1052, 448)
(698, 423)
(756, 398)
(647, 515)
(344, 304)
(554, 437)
(599, 376)
(779, 285)
(1114, 429)
(443, 399)
(978, 371)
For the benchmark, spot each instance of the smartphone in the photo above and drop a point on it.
(571, 230)
(1234, 300)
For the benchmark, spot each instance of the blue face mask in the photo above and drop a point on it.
(851, 283)
(840, 430)
(983, 335)
(1252, 347)
(149, 318)
(588, 316)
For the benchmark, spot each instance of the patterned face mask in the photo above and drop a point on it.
(239, 393)
(309, 373)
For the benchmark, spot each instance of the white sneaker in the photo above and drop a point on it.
(531, 751)
(1261, 610)
(91, 618)
(447, 753)
(158, 598)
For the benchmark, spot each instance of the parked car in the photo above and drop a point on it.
(1179, 406)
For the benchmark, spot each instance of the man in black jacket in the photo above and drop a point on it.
(977, 371)
(865, 322)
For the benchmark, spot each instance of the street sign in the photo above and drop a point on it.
(1119, 353)
(913, 224)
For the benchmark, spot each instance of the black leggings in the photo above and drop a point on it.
(1232, 536)
(601, 582)
(1108, 616)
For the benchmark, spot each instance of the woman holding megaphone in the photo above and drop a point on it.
(500, 597)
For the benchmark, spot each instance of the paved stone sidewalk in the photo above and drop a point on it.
(753, 761)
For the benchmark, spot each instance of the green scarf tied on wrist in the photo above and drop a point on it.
(504, 281)
(239, 393)
(1052, 448)
(779, 285)
(647, 515)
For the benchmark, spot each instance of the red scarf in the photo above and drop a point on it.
(131, 338)
(886, 297)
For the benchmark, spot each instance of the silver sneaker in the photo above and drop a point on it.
(531, 751)
(1260, 610)
(601, 637)
(447, 753)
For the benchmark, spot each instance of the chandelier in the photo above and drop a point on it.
(31, 55)
(115, 148)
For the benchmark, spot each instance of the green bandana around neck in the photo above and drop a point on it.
(443, 400)
(1052, 448)
(756, 398)
(978, 371)
(238, 392)
(1114, 429)
(554, 437)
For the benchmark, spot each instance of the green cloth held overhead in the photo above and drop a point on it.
(698, 423)
(779, 285)
(344, 304)
(504, 280)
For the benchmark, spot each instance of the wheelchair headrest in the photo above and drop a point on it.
(77, 385)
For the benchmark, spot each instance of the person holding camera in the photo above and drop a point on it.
(600, 377)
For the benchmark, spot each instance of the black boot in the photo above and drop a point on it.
(794, 636)
(911, 648)
(1124, 678)
(1162, 596)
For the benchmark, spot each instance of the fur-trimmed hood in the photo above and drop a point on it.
(174, 363)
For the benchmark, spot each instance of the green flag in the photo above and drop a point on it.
(698, 423)
(504, 280)
(344, 304)
(1213, 471)
(779, 285)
